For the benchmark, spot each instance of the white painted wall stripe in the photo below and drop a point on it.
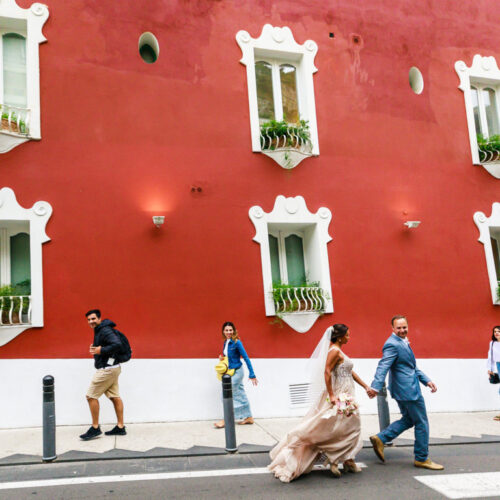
(133, 477)
(142, 477)
(143, 379)
(472, 485)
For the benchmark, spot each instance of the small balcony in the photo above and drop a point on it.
(298, 299)
(286, 143)
(15, 310)
(15, 121)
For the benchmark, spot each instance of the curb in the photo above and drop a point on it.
(204, 451)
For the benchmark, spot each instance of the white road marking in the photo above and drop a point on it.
(471, 485)
(140, 477)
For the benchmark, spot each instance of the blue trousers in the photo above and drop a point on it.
(240, 401)
(413, 414)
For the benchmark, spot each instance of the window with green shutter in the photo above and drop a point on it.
(286, 249)
(20, 271)
(275, 258)
(294, 251)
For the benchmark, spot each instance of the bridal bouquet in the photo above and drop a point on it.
(346, 405)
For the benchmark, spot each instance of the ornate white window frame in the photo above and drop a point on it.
(292, 213)
(490, 227)
(37, 216)
(483, 70)
(29, 23)
(278, 44)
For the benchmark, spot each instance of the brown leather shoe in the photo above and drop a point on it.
(378, 447)
(351, 466)
(428, 464)
(335, 470)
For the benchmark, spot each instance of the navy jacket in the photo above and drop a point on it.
(235, 352)
(105, 337)
(404, 376)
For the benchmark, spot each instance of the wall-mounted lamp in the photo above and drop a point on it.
(158, 220)
(412, 223)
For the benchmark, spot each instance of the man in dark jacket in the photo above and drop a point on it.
(105, 348)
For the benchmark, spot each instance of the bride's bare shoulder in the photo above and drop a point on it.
(335, 353)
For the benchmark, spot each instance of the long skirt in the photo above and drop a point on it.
(322, 430)
(240, 400)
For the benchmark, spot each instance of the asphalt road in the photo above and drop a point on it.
(393, 480)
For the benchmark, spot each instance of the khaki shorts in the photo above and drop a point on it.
(105, 381)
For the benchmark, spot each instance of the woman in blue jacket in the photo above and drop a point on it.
(234, 350)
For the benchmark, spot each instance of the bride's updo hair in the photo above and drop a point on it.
(338, 331)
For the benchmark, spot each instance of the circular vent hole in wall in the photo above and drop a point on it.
(416, 80)
(149, 49)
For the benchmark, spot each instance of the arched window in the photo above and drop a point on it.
(20, 36)
(294, 259)
(22, 233)
(281, 94)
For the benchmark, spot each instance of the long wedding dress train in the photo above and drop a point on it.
(322, 430)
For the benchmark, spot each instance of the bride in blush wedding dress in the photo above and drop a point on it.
(332, 426)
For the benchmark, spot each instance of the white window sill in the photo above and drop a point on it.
(9, 332)
(492, 168)
(300, 321)
(9, 140)
(287, 158)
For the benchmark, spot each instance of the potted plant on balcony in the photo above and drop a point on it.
(274, 135)
(18, 128)
(307, 296)
(6, 292)
(488, 148)
(10, 296)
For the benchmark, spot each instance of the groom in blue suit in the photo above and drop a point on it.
(404, 384)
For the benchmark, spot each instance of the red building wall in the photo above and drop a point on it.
(123, 140)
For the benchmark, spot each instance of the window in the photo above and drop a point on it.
(286, 251)
(294, 258)
(276, 92)
(14, 70)
(489, 236)
(281, 94)
(15, 254)
(481, 86)
(15, 273)
(21, 33)
(22, 233)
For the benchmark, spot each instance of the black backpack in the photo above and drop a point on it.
(126, 352)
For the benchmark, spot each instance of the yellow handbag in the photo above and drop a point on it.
(222, 368)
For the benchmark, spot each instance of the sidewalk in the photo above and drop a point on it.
(23, 446)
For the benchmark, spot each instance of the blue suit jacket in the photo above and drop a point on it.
(404, 376)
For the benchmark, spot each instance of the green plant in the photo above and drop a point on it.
(274, 134)
(290, 298)
(13, 121)
(489, 148)
(12, 295)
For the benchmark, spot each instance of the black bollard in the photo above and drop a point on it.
(227, 401)
(49, 420)
(384, 417)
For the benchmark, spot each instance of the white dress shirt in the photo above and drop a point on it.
(493, 356)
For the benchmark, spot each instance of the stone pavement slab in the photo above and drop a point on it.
(200, 437)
